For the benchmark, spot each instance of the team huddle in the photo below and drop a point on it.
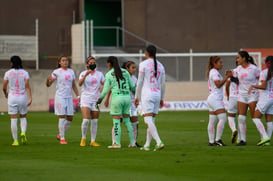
(127, 93)
(246, 88)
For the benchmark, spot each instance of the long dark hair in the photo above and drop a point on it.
(114, 63)
(151, 49)
(245, 54)
(269, 64)
(16, 62)
(59, 59)
(212, 61)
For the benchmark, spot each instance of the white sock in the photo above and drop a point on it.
(93, 129)
(260, 127)
(67, 125)
(269, 129)
(23, 122)
(84, 127)
(242, 127)
(61, 127)
(14, 128)
(231, 123)
(221, 125)
(212, 120)
(135, 129)
(149, 137)
(152, 128)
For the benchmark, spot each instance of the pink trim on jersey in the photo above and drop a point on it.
(246, 66)
(141, 72)
(17, 93)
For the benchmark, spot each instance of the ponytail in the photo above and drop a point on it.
(151, 49)
(212, 61)
(269, 63)
(118, 73)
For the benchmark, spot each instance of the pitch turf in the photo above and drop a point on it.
(185, 157)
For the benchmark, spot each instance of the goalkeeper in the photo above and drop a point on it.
(121, 83)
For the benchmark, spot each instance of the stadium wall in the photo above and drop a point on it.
(175, 91)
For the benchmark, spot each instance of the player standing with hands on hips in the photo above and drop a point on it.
(19, 97)
(63, 105)
(151, 90)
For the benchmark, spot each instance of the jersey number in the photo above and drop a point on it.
(17, 84)
(152, 77)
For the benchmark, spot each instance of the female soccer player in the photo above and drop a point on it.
(120, 81)
(151, 90)
(215, 100)
(232, 92)
(91, 81)
(247, 73)
(65, 78)
(265, 103)
(19, 97)
(130, 66)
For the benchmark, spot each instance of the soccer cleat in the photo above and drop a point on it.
(267, 144)
(241, 143)
(114, 146)
(138, 145)
(83, 142)
(145, 148)
(15, 143)
(132, 145)
(159, 147)
(58, 137)
(263, 141)
(63, 142)
(23, 138)
(234, 136)
(95, 144)
(212, 144)
(220, 143)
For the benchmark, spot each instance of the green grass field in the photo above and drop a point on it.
(185, 157)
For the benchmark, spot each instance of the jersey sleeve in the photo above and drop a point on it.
(26, 75)
(81, 75)
(257, 72)
(6, 76)
(263, 76)
(215, 75)
(54, 74)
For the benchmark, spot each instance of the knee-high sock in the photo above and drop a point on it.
(212, 121)
(67, 125)
(260, 127)
(135, 129)
(93, 129)
(130, 130)
(231, 123)
(152, 129)
(221, 125)
(84, 127)
(61, 127)
(23, 123)
(242, 127)
(269, 129)
(117, 131)
(14, 128)
(148, 135)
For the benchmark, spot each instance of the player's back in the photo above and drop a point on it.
(16, 78)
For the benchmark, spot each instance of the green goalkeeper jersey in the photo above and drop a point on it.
(118, 89)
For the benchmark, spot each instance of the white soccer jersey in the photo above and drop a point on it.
(268, 92)
(91, 84)
(151, 85)
(214, 75)
(247, 76)
(233, 88)
(134, 79)
(16, 78)
(64, 79)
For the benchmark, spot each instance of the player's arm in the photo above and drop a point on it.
(131, 83)
(75, 89)
(105, 88)
(107, 98)
(81, 80)
(220, 83)
(227, 88)
(49, 81)
(28, 89)
(5, 88)
(163, 88)
(261, 86)
(139, 87)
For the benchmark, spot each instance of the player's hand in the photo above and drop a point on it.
(106, 103)
(229, 73)
(6, 95)
(49, 80)
(250, 90)
(136, 102)
(161, 103)
(99, 101)
(29, 102)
